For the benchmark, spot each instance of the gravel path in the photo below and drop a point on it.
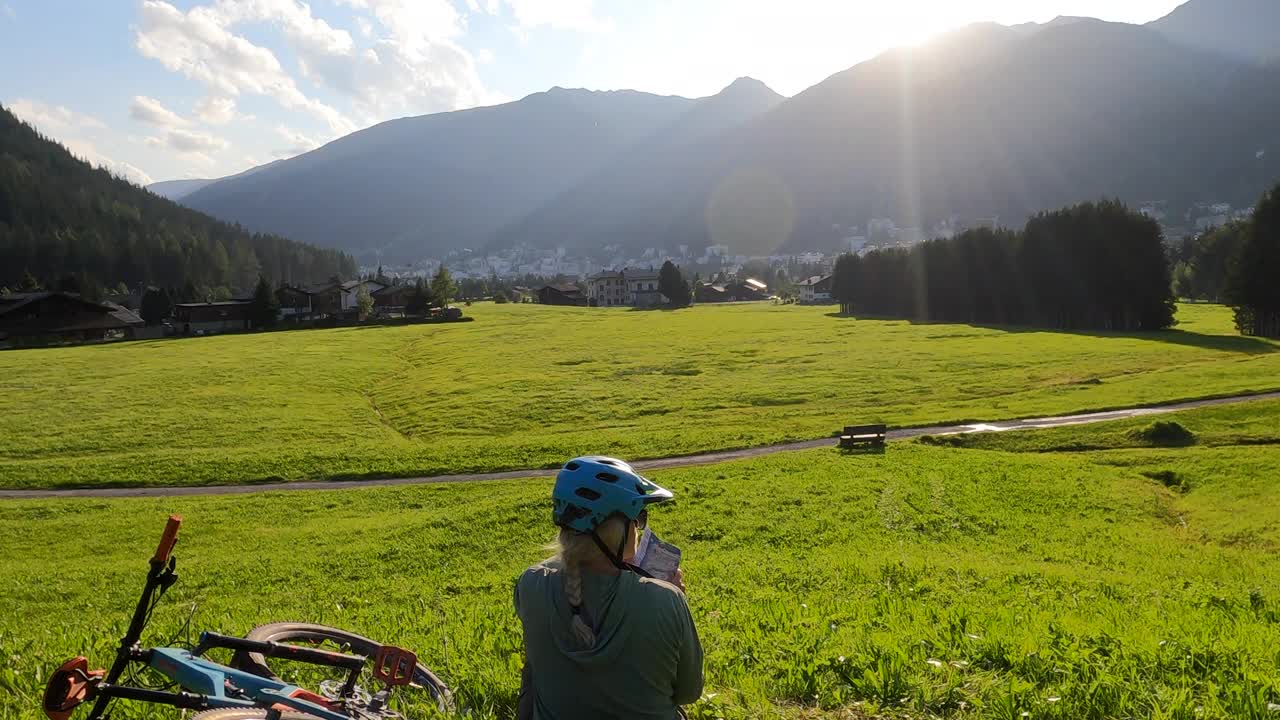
(670, 462)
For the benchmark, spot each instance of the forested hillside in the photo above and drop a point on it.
(68, 224)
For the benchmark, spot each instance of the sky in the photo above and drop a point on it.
(173, 89)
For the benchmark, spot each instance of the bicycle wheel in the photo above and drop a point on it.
(246, 714)
(349, 642)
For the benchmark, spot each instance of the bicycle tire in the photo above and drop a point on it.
(289, 632)
(246, 714)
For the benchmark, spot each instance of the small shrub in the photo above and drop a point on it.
(955, 441)
(1170, 479)
(1164, 433)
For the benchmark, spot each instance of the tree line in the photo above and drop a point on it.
(1237, 264)
(1253, 270)
(67, 225)
(1096, 265)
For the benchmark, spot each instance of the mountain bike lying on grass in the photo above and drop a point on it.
(248, 689)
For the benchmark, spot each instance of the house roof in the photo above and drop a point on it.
(606, 274)
(391, 289)
(639, 274)
(317, 288)
(113, 315)
(755, 284)
(124, 314)
(353, 284)
(564, 288)
(814, 280)
(220, 303)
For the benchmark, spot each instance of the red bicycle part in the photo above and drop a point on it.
(394, 666)
(70, 685)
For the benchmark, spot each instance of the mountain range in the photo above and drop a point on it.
(983, 121)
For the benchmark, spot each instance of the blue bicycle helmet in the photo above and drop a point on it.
(590, 489)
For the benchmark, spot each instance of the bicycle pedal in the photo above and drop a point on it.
(394, 666)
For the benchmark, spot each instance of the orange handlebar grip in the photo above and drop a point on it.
(168, 540)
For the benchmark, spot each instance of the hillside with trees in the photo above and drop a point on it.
(67, 225)
(1253, 281)
(1092, 266)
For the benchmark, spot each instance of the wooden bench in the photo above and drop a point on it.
(855, 435)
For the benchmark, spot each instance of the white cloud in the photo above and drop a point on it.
(558, 15)
(132, 173)
(194, 142)
(53, 120)
(296, 143)
(407, 60)
(198, 44)
(484, 56)
(216, 110)
(414, 64)
(150, 110)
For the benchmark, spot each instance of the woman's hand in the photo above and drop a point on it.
(678, 579)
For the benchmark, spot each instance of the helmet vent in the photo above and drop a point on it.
(572, 466)
(587, 493)
(608, 461)
(607, 477)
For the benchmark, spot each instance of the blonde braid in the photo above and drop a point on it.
(572, 550)
(573, 592)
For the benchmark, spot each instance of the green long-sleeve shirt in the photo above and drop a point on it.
(646, 661)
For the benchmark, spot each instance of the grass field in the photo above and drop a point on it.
(527, 386)
(930, 581)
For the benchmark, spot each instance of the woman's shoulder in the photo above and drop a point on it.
(659, 594)
(539, 571)
(534, 581)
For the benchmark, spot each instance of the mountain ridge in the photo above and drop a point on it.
(983, 121)
(445, 180)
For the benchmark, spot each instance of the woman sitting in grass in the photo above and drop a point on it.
(601, 639)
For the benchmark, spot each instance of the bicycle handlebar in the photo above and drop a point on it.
(167, 540)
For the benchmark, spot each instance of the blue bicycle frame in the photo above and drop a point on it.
(213, 681)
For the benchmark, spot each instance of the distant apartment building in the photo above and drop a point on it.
(607, 288)
(814, 290)
(634, 287)
(642, 288)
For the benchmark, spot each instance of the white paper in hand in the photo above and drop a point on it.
(659, 559)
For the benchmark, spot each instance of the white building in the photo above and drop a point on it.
(607, 288)
(642, 288)
(816, 289)
(351, 291)
(627, 287)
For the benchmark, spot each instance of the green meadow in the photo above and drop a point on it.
(527, 386)
(1018, 577)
